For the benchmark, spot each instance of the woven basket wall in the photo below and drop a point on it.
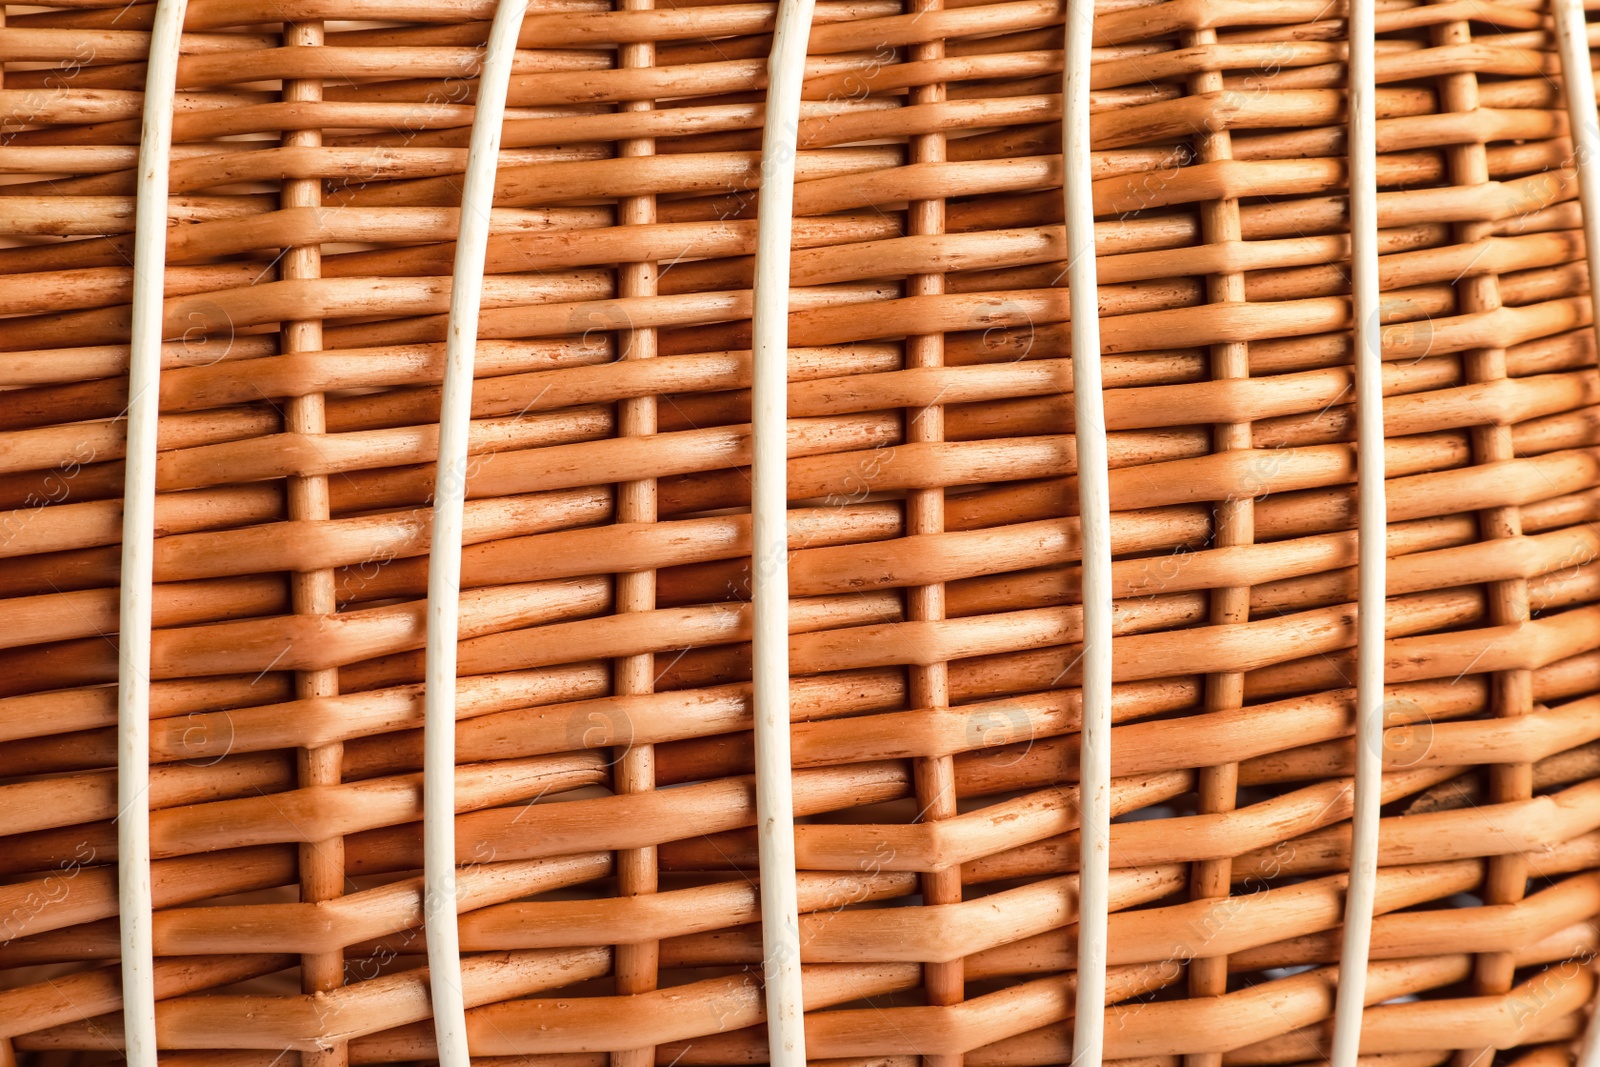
(606, 836)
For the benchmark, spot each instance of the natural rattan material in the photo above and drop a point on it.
(606, 828)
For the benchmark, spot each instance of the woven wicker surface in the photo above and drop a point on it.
(606, 804)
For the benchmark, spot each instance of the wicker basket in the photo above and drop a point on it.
(264, 785)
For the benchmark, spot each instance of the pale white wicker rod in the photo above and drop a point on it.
(444, 558)
(1094, 509)
(1577, 79)
(1371, 522)
(138, 541)
(780, 920)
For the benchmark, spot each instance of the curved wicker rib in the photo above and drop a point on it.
(134, 612)
(1577, 80)
(1372, 516)
(444, 562)
(1094, 509)
(769, 557)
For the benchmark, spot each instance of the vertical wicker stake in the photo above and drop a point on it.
(930, 685)
(8, 1056)
(1233, 525)
(638, 964)
(444, 558)
(1094, 510)
(136, 599)
(769, 564)
(1372, 533)
(312, 592)
(1510, 690)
